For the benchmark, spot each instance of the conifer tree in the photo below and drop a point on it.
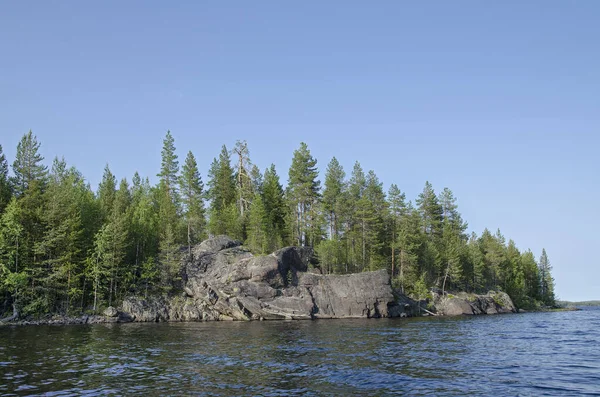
(243, 177)
(397, 208)
(224, 212)
(431, 211)
(106, 192)
(5, 189)
(273, 202)
(258, 232)
(169, 167)
(333, 196)
(192, 193)
(28, 167)
(409, 244)
(546, 280)
(303, 194)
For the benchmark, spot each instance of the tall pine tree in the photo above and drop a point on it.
(192, 197)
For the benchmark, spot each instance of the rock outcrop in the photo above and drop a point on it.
(224, 281)
(469, 304)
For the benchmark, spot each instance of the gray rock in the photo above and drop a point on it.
(468, 304)
(111, 312)
(224, 281)
(455, 307)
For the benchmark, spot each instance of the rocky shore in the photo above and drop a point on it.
(223, 281)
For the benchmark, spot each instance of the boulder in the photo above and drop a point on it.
(455, 307)
(110, 312)
(468, 304)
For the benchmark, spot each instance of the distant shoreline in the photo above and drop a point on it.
(577, 304)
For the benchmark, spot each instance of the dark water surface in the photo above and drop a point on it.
(509, 355)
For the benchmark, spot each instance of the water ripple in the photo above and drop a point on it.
(532, 354)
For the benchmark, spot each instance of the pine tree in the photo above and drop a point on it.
(372, 217)
(144, 228)
(531, 276)
(397, 208)
(494, 255)
(475, 270)
(106, 192)
(5, 189)
(430, 209)
(453, 240)
(11, 237)
(28, 167)
(224, 213)
(333, 196)
(355, 204)
(168, 195)
(243, 178)
(514, 283)
(29, 182)
(273, 201)
(303, 194)
(258, 233)
(192, 193)
(169, 167)
(62, 246)
(409, 244)
(546, 280)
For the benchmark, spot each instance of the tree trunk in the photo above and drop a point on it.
(401, 270)
(393, 251)
(68, 289)
(445, 277)
(189, 236)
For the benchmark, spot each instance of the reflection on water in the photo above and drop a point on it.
(528, 354)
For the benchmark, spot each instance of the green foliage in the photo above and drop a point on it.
(222, 195)
(5, 188)
(65, 249)
(546, 280)
(303, 194)
(275, 210)
(333, 197)
(28, 167)
(192, 193)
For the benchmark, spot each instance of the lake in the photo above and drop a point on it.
(520, 354)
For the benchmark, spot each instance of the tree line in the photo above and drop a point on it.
(65, 248)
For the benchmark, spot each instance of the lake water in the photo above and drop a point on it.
(507, 355)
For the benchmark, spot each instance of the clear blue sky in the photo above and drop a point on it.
(499, 101)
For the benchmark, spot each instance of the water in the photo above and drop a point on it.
(509, 355)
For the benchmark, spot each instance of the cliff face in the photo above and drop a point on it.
(224, 281)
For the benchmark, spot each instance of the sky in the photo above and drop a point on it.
(499, 101)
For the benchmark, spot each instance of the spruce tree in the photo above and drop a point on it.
(62, 246)
(273, 202)
(546, 280)
(303, 194)
(333, 196)
(169, 166)
(5, 189)
(223, 213)
(28, 167)
(106, 192)
(409, 243)
(191, 188)
(397, 208)
(431, 211)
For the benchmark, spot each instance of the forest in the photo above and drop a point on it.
(69, 249)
